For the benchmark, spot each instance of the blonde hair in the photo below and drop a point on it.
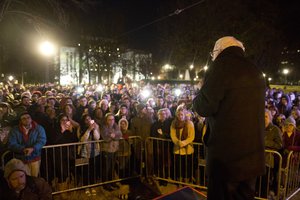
(268, 112)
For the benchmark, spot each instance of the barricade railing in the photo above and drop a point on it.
(190, 169)
(67, 168)
(166, 166)
(291, 178)
(268, 186)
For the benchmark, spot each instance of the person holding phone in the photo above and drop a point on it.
(62, 158)
(89, 131)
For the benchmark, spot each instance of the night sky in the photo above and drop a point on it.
(141, 20)
(144, 25)
(142, 17)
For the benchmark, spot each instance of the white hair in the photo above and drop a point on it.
(225, 42)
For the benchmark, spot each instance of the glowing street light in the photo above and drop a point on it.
(177, 92)
(47, 49)
(145, 93)
(10, 78)
(191, 67)
(285, 72)
(205, 67)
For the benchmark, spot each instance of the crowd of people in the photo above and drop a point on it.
(34, 116)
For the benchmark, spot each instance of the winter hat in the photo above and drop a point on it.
(12, 166)
(140, 107)
(123, 106)
(290, 120)
(39, 93)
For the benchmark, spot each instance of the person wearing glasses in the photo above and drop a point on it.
(235, 144)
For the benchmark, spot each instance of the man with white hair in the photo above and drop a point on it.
(232, 100)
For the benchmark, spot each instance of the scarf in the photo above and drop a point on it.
(23, 131)
(181, 125)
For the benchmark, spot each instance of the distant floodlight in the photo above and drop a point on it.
(264, 75)
(47, 48)
(80, 90)
(99, 88)
(177, 92)
(205, 67)
(191, 67)
(145, 93)
(10, 78)
(269, 79)
(285, 71)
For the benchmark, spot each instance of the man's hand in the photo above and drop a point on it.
(28, 151)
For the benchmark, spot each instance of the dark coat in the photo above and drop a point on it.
(36, 189)
(232, 99)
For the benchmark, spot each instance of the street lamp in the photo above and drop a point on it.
(285, 72)
(47, 49)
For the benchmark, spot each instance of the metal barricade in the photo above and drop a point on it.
(268, 186)
(166, 166)
(65, 167)
(291, 178)
(191, 169)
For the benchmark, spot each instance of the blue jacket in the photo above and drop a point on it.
(36, 139)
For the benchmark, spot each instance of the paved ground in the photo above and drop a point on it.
(132, 190)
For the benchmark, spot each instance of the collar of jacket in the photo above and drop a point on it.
(22, 129)
(233, 50)
(269, 127)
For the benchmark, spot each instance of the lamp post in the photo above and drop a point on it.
(47, 49)
(285, 72)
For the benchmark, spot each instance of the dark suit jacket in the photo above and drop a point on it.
(232, 99)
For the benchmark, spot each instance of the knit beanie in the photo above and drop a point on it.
(290, 120)
(140, 107)
(12, 166)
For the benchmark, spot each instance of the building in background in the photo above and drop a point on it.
(100, 60)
